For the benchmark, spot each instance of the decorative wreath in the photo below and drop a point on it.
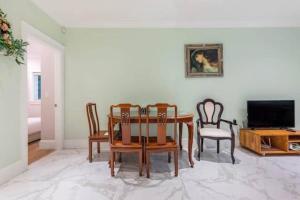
(8, 45)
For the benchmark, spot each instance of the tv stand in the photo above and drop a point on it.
(279, 141)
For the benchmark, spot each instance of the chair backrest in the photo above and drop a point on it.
(210, 112)
(162, 119)
(92, 115)
(125, 113)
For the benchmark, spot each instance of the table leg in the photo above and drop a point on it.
(180, 135)
(108, 129)
(190, 126)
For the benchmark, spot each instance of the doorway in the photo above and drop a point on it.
(42, 101)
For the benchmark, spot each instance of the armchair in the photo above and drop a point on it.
(210, 113)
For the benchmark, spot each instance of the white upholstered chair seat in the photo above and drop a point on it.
(214, 132)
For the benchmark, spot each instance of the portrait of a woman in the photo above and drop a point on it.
(204, 60)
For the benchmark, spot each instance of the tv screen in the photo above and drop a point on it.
(271, 114)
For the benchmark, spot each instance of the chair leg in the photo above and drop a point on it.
(232, 149)
(141, 163)
(218, 146)
(198, 142)
(169, 157)
(176, 162)
(145, 156)
(202, 140)
(90, 151)
(98, 147)
(120, 157)
(112, 163)
(148, 164)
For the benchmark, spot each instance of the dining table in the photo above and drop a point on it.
(182, 118)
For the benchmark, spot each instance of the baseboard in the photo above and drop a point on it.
(11, 171)
(83, 144)
(47, 144)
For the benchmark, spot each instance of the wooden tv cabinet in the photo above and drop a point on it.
(280, 139)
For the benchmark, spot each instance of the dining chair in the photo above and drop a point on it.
(210, 113)
(96, 135)
(161, 142)
(126, 143)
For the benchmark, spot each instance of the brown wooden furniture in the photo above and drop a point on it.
(279, 140)
(210, 113)
(182, 118)
(127, 143)
(96, 135)
(161, 142)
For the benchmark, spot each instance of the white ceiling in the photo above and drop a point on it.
(173, 13)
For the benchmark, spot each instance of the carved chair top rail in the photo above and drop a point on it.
(152, 114)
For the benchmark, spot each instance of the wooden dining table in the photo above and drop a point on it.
(182, 118)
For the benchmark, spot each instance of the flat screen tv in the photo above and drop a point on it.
(271, 114)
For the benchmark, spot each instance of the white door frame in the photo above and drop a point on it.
(28, 30)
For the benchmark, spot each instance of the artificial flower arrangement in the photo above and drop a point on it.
(8, 45)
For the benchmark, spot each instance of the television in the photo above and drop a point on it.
(271, 114)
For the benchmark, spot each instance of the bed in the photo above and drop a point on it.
(34, 129)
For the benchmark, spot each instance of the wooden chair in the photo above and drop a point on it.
(96, 135)
(210, 113)
(161, 142)
(127, 143)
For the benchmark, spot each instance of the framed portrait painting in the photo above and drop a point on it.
(203, 60)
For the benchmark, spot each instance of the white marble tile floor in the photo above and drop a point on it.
(67, 175)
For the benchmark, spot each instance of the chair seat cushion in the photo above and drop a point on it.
(214, 132)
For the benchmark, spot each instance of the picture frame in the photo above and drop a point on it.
(203, 60)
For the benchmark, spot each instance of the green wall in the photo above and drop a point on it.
(10, 73)
(109, 66)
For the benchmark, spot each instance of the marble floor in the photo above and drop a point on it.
(68, 175)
